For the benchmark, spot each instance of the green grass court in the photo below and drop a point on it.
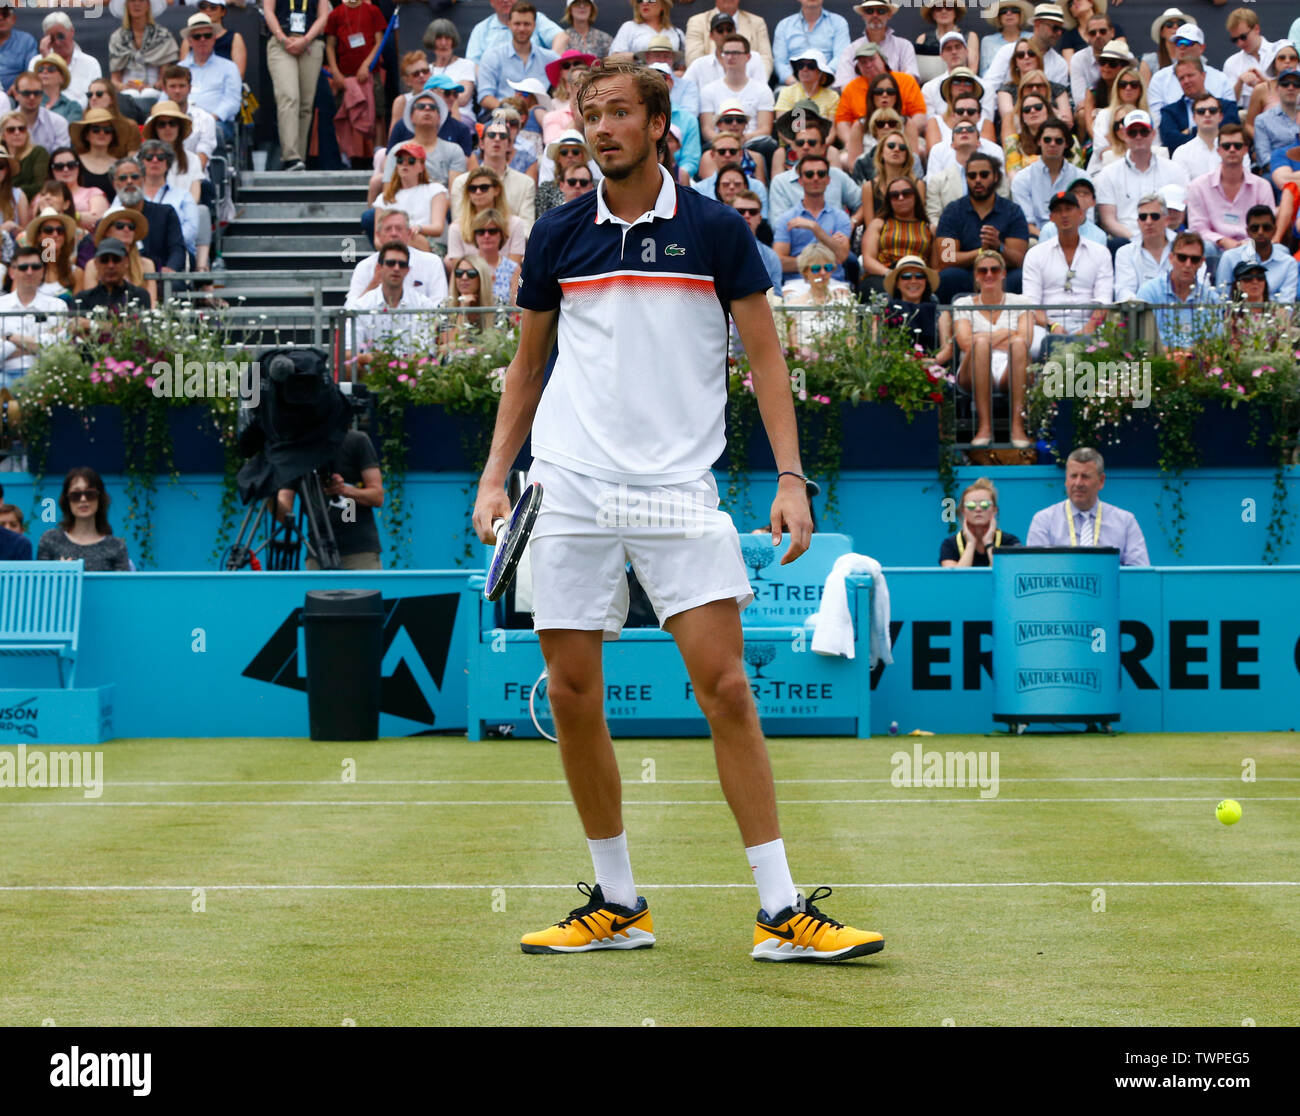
(398, 899)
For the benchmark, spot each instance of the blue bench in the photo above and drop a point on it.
(40, 612)
(647, 691)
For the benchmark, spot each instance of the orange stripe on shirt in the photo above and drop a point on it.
(597, 284)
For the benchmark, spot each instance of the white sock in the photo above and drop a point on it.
(613, 869)
(772, 875)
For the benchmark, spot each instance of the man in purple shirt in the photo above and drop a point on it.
(1083, 520)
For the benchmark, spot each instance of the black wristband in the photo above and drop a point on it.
(790, 473)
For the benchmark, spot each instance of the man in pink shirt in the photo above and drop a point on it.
(1217, 202)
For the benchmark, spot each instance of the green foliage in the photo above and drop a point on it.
(117, 361)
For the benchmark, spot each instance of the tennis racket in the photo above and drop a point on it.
(512, 537)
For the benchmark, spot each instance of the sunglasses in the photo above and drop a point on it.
(1231, 145)
(978, 176)
(978, 505)
(33, 92)
(807, 142)
(1139, 130)
(461, 274)
(885, 93)
(200, 36)
(815, 174)
(1180, 42)
(1150, 216)
(1025, 54)
(1289, 82)
(403, 264)
(64, 166)
(1130, 85)
(496, 135)
(571, 63)
(726, 152)
(29, 267)
(123, 226)
(163, 122)
(51, 230)
(733, 119)
(15, 128)
(1184, 257)
(1207, 110)
(1174, 23)
(487, 232)
(1260, 226)
(127, 178)
(98, 93)
(966, 112)
(1095, 32)
(407, 160)
(748, 210)
(420, 72)
(1241, 38)
(1111, 62)
(992, 270)
(817, 269)
(155, 157)
(898, 195)
(100, 130)
(1051, 139)
(1037, 106)
(577, 182)
(912, 277)
(424, 106)
(571, 152)
(895, 147)
(964, 130)
(76, 495)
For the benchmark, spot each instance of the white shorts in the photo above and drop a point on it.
(685, 551)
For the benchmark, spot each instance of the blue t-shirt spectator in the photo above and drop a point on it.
(960, 222)
(16, 54)
(832, 219)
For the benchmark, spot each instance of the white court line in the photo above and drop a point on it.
(673, 782)
(640, 886)
(901, 801)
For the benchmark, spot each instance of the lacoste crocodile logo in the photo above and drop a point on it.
(673, 250)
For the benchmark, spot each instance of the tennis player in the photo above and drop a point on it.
(636, 279)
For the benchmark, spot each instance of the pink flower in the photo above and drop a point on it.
(1090, 349)
(403, 378)
(803, 395)
(1258, 373)
(822, 399)
(148, 381)
(1241, 389)
(1216, 371)
(94, 377)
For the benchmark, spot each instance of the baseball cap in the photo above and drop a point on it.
(1060, 198)
(1175, 197)
(867, 50)
(952, 37)
(1249, 267)
(663, 68)
(442, 81)
(1137, 116)
(110, 246)
(732, 107)
(1191, 33)
(720, 18)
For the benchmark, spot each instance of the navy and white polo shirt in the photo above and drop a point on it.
(639, 388)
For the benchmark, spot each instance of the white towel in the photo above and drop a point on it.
(833, 626)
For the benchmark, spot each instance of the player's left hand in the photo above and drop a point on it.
(791, 512)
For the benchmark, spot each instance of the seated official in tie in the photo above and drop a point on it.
(1083, 520)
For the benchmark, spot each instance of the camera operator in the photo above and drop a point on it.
(354, 487)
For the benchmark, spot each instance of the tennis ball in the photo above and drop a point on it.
(1228, 811)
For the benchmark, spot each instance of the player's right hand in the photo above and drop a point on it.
(492, 504)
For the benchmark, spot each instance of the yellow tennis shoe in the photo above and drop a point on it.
(598, 925)
(803, 933)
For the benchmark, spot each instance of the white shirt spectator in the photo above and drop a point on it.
(50, 130)
(216, 85)
(708, 69)
(635, 37)
(942, 156)
(427, 276)
(756, 97)
(1134, 265)
(936, 106)
(1240, 62)
(16, 360)
(1101, 138)
(1053, 65)
(1165, 90)
(412, 333)
(1085, 72)
(1122, 185)
(899, 54)
(202, 139)
(1196, 159)
(415, 201)
(1048, 278)
(83, 70)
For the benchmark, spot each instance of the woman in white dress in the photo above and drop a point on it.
(994, 337)
(649, 18)
(410, 190)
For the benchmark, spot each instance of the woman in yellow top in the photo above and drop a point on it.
(900, 230)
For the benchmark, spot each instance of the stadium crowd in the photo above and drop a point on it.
(1007, 157)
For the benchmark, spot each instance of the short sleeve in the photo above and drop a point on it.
(781, 227)
(1017, 226)
(738, 269)
(539, 286)
(949, 226)
(948, 549)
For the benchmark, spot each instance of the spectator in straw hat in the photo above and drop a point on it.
(127, 227)
(54, 234)
(1085, 64)
(55, 77)
(100, 138)
(943, 16)
(1012, 19)
(61, 38)
(649, 18)
(216, 82)
(173, 127)
(813, 82)
(1048, 25)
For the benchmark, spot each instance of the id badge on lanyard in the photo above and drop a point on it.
(298, 19)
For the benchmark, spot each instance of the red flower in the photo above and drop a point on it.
(937, 396)
(882, 390)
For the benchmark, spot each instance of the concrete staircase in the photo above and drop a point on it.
(305, 221)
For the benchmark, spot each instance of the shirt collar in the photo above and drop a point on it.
(665, 204)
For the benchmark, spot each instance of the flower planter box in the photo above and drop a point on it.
(873, 436)
(93, 437)
(436, 441)
(1222, 433)
(196, 441)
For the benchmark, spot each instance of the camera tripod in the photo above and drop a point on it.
(262, 532)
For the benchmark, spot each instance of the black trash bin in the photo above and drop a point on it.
(344, 637)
